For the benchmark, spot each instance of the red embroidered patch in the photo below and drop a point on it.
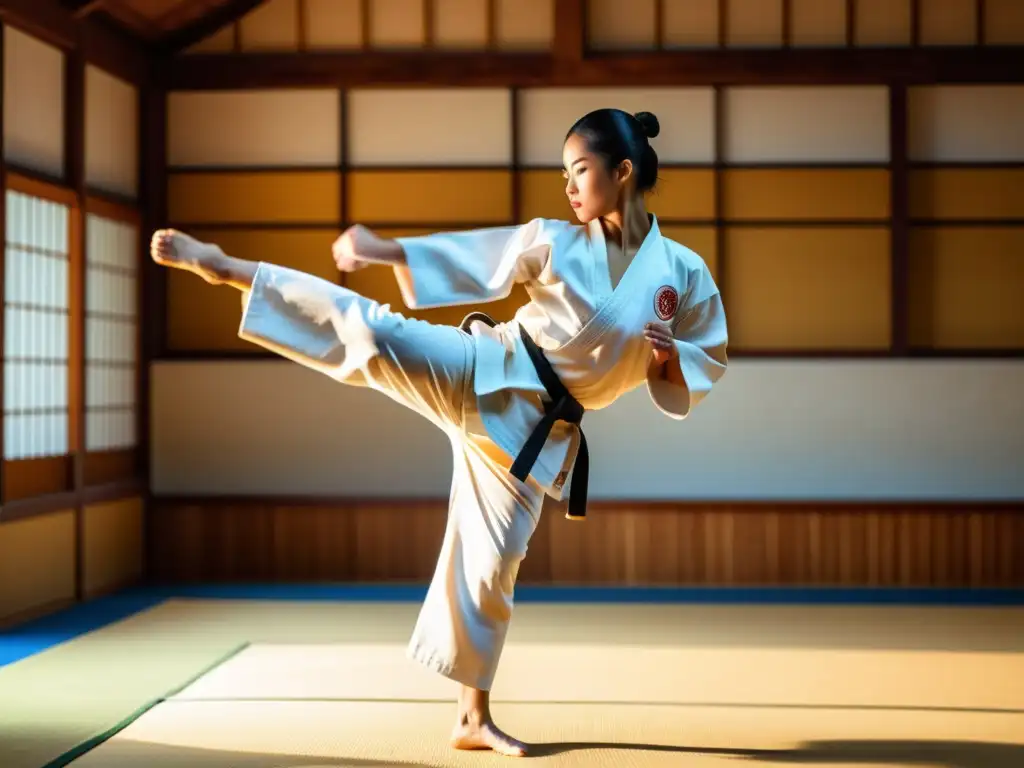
(666, 302)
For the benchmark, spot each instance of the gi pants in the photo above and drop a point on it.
(429, 368)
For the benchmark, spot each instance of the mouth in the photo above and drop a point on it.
(576, 204)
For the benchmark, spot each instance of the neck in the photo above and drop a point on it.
(632, 218)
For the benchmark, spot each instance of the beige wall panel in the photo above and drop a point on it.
(966, 123)
(684, 193)
(221, 41)
(967, 193)
(806, 124)
(882, 23)
(805, 194)
(37, 563)
(966, 287)
(296, 127)
(429, 197)
(753, 23)
(271, 26)
(201, 316)
(113, 545)
(690, 23)
(111, 133)
(1004, 22)
(525, 25)
(615, 25)
(334, 24)
(701, 240)
(686, 116)
(451, 126)
(808, 288)
(259, 197)
(542, 195)
(33, 103)
(460, 23)
(396, 24)
(948, 22)
(771, 429)
(818, 23)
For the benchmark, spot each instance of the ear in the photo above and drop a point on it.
(624, 173)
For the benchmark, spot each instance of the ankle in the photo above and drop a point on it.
(474, 718)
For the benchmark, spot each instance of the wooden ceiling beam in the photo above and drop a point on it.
(678, 68)
(213, 21)
(102, 44)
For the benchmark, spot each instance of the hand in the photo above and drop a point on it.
(352, 248)
(660, 337)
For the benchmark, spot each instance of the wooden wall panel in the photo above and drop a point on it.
(112, 545)
(37, 565)
(948, 545)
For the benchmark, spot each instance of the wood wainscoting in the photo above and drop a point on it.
(620, 543)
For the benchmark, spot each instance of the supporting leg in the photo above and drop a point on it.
(475, 728)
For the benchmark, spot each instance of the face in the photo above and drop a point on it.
(593, 190)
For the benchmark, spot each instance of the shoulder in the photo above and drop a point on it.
(550, 231)
(692, 268)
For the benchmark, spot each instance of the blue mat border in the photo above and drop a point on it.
(29, 639)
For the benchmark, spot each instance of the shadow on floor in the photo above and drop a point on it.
(933, 754)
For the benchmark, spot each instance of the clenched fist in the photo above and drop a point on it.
(353, 248)
(660, 337)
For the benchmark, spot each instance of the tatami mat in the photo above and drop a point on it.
(319, 734)
(633, 675)
(328, 684)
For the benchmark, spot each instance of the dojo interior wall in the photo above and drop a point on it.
(70, 320)
(819, 459)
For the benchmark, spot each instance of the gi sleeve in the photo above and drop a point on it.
(701, 337)
(470, 267)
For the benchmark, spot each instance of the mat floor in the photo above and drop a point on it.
(275, 684)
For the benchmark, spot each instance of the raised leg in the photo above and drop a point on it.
(171, 248)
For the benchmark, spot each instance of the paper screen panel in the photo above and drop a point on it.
(525, 25)
(690, 23)
(334, 24)
(396, 24)
(111, 334)
(806, 124)
(286, 127)
(753, 23)
(271, 26)
(961, 123)
(1004, 22)
(111, 133)
(882, 23)
(36, 328)
(808, 288)
(818, 23)
(966, 286)
(460, 24)
(948, 22)
(429, 127)
(33, 103)
(615, 25)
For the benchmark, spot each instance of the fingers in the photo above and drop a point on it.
(659, 336)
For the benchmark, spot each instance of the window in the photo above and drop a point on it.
(111, 333)
(36, 326)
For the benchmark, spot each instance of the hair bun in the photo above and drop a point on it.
(649, 123)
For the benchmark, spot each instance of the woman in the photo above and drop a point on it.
(614, 304)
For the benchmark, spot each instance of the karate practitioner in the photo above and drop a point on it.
(614, 304)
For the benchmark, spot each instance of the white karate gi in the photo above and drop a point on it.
(483, 391)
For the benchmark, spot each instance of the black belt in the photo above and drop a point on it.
(561, 406)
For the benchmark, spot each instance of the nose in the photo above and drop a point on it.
(570, 187)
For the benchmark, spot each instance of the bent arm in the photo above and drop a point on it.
(469, 267)
(701, 339)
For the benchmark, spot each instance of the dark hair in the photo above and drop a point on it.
(616, 136)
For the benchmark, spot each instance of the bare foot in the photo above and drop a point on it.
(171, 248)
(485, 735)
